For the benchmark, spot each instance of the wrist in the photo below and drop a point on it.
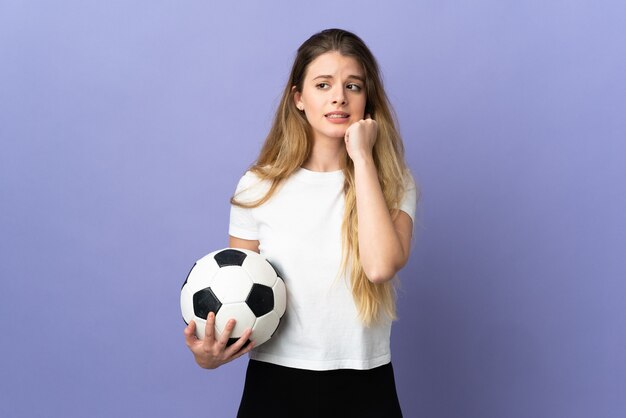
(363, 161)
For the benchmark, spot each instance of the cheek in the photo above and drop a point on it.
(362, 110)
(363, 103)
(310, 103)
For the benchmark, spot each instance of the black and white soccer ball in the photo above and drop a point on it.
(234, 283)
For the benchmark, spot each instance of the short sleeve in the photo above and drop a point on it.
(242, 221)
(409, 201)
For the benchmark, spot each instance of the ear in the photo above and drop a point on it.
(297, 98)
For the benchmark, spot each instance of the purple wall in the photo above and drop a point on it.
(124, 128)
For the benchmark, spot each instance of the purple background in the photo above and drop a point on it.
(125, 126)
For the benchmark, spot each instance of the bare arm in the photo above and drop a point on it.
(246, 244)
(384, 241)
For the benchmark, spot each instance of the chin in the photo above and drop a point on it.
(335, 134)
(339, 135)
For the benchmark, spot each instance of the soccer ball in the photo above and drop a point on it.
(234, 283)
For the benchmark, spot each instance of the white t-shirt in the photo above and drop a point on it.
(299, 232)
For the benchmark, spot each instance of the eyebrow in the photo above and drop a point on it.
(357, 77)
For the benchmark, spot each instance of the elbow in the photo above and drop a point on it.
(380, 276)
(383, 272)
(379, 270)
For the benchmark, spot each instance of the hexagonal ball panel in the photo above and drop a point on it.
(231, 284)
(261, 299)
(280, 297)
(205, 301)
(240, 312)
(264, 328)
(202, 273)
(186, 304)
(200, 327)
(260, 270)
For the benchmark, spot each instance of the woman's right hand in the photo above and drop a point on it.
(210, 353)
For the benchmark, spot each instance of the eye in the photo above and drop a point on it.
(354, 87)
(322, 86)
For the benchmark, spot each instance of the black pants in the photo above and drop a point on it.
(275, 391)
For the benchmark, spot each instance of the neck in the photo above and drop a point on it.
(326, 155)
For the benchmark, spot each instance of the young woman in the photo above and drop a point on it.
(330, 203)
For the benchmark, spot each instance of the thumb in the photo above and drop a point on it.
(190, 332)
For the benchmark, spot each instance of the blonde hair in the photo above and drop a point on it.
(287, 147)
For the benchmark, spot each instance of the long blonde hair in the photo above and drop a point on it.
(288, 146)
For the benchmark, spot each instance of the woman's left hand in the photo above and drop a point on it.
(360, 138)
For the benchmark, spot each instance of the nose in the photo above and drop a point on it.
(339, 96)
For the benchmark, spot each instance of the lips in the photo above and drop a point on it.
(337, 115)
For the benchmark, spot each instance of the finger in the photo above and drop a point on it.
(347, 134)
(248, 345)
(244, 350)
(241, 342)
(228, 329)
(209, 328)
(190, 333)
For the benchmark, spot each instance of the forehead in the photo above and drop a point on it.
(334, 64)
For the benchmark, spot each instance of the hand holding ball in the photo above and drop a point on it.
(238, 284)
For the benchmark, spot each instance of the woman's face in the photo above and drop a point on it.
(333, 95)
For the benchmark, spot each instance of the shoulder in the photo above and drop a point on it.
(410, 196)
(251, 187)
(248, 179)
(410, 186)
